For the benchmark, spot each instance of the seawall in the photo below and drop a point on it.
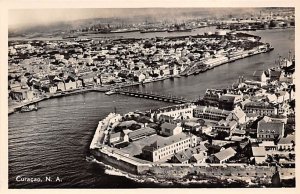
(168, 171)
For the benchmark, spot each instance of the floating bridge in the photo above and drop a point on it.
(153, 96)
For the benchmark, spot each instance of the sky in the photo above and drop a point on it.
(23, 17)
(31, 17)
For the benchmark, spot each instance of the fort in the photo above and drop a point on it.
(170, 171)
(167, 171)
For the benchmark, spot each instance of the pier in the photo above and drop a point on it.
(153, 96)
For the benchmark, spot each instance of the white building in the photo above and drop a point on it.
(166, 147)
(168, 129)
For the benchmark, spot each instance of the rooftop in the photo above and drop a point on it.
(287, 140)
(141, 132)
(225, 154)
(258, 151)
(270, 127)
(166, 141)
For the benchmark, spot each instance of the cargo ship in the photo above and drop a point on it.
(125, 30)
(180, 30)
(153, 30)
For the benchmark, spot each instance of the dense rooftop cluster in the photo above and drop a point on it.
(43, 68)
(252, 122)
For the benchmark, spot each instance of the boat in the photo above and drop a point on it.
(125, 30)
(180, 30)
(153, 30)
(29, 108)
(110, 92)
(70, 37)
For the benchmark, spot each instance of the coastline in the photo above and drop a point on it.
(122, 164)
(17, 107)
(119, 163)
(119, 35)
(13, 109)
(225, 182)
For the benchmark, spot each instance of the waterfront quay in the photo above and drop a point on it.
(43, 69)
(245, 132)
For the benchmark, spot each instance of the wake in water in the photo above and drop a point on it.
(109, 170)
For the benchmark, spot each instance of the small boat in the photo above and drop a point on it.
(29, 108)
(110, 92)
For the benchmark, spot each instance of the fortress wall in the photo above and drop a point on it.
(173, 171)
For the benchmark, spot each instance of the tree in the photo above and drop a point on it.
(276, 180)
(221, 135)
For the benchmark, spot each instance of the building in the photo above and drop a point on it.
(20, 95)
(70, 83)
(88, 80)
(140, 133)
(282, 96)
(260, 76)
(139, 77)
(259, 154)
(268, 145)
(196, 154)
(168, 129)
(61, 86)
(286, 143)
(183, 111)
(212, 96)
(275, 75)
(223, 156)
(166, 147)
(227, 126)
(198, 158)
(15, 86)
(192, 126)
(107, 78)
(276, 118)
(182, 157)
(261, 108)
(229, 101)
(237, 115)
(269, 131)
(165, 118)
(210, 113)
(116, 137)
(78, 83)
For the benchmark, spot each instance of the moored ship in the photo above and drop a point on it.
(110, 92)
(180, 30)
(153, 30)
(125, 30)
(29, 108)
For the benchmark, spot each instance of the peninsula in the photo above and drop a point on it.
(244, 133)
